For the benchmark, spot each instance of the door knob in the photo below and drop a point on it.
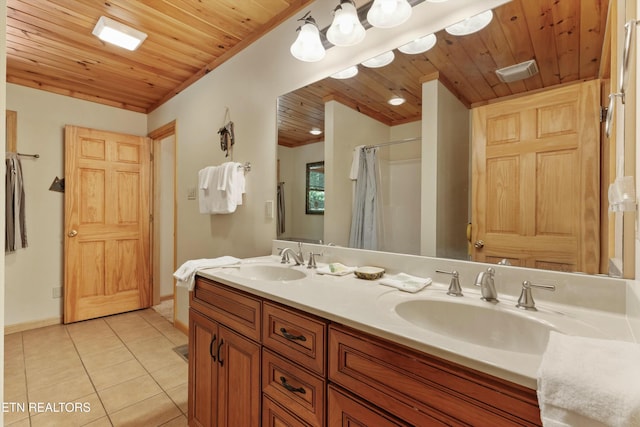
(479, 244)
(72, 233)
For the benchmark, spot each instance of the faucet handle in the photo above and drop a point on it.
(312, 260)
(526, 301)
(454, 286)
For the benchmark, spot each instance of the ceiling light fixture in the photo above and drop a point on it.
(380, 60)
(347, 73)
(315, 131)
(346, 29)
(119, 34)
(516, 72)
(470, 25)
(388, 13)
(308, 46)
(396, 100)
(420, 45)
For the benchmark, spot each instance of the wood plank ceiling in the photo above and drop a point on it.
(565, 37)
(50, 45)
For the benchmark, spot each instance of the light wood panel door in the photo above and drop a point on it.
(536, 178)
(107, 220)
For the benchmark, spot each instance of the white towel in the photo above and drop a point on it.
(186, 273)
(221, 188)
(406, 282)
(589, 382)
(335, 269)
(355, 162)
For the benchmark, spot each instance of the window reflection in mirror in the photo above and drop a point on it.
(314, 189)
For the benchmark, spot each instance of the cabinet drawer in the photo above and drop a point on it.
(274, 415)
(300, 337)
(235, 309)
(417, 387)
(344, 411)
(294, 388)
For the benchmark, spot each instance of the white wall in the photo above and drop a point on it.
(445, 149)
(31, 273)
(293, 162)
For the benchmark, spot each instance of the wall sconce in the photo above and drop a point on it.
(380, 60)
(470, 25)
(420, 45)
(388, 13)
(119, 34)
(308, 46)
(346, 29)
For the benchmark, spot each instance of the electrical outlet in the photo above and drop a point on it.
(56, 292)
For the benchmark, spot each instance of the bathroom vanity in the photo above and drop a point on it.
(274, 344)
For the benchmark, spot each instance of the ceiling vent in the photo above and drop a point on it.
(517, 72)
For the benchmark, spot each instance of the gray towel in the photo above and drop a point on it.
(15, 224)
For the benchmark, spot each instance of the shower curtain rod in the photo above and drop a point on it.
(384, 144)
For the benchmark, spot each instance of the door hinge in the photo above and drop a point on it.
(151, 156)
(603, 114)
(150, 217)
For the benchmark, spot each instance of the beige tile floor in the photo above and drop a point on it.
(113, 371)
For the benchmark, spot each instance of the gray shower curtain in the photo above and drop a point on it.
(364, 221)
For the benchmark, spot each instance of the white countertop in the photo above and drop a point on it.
(370, 307)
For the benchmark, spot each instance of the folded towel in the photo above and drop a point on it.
(592, 380)
(406, 282)
(335, 269)
(186, 273)
(355, 162)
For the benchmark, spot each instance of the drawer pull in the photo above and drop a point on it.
(213, 340)
(291, 337)
(291, 388)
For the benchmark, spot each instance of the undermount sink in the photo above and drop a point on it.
(489, 326)
(273, 273)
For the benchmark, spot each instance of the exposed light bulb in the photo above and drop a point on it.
(346, 29)
(308, 46)
(388, 13)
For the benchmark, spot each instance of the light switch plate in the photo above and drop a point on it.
(191, 193)
(268, 209)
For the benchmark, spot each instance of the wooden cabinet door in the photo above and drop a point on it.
(203, 370)
(239, 390)
(536, 180)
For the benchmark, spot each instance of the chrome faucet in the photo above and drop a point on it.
(484, 279)
(297, 256)
(454, 286)
(526, 301)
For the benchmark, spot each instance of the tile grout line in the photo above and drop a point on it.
(66, 329)
(163, 391)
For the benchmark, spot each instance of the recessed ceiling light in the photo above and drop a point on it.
(420, 45)
(315, 131)
(397, 100)
(119, 34)
(470, 25)
(380, 60)
(346, 73)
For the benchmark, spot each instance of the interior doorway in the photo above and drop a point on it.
(164, 218)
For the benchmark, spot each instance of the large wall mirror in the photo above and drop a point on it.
(426, 148)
